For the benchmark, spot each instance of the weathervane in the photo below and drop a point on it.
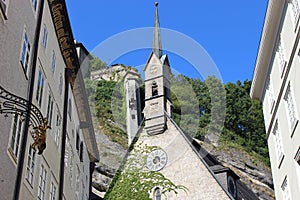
(12, 104)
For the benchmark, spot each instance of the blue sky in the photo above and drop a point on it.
(229, 31)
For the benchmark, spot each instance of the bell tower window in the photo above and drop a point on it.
(154, 88)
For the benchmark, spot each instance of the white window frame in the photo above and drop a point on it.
(53, 191)
(15, 135)
(40, 87)
(285, 189)
(67, 152)
(53, 62)
(25, 53)
(30, 169)
(71, 159)
(58, 127)
(278, 143)
(45, 36)
(4, 8)
(295, 10)
(281, 56)
(42, 182)
(270, 94)
(291, 109)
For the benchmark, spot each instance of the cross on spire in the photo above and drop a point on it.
(156, 43)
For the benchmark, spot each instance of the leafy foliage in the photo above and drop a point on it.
(135, 182)
(96, 64)
(107, 101)
(225, 110)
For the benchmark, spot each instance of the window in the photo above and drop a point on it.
(53, 62)
(290, 108)
(30, 165)
(81, 152)
(297, 157)
(270, 94)
(42, 183)
(285, 189)
(154, 88)
(40, 87)
(77, 180)
(3, 7)
(57, 132)
(278, 143)
(15, 135)
(295, 9)
(52, 194)
(45, 36)
(71, 166)
(157, 194)
(60, 86)
(77, 140)
(281, 56)
(34, 4)
(50, 109)
(70, 111)
(66, 159)
(25, 55)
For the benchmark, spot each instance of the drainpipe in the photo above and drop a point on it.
(30, 96)
(68, 76)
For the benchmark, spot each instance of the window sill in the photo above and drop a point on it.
(12, 156)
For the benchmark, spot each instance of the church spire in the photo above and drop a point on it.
(156, 43)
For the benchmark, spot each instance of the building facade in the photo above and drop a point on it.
(275, 83)
(39, 63)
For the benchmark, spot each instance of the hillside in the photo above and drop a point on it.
(224, 110)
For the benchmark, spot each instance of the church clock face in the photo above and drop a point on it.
(156, 160)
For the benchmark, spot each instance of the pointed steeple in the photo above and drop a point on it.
(156, 43)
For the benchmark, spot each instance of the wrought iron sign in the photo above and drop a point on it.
(15, 105)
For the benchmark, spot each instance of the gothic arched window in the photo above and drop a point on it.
(154, 88)
(157, 194)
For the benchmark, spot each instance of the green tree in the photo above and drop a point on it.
(96, 64)
(244, 122)
(107, 102)
(184, 99)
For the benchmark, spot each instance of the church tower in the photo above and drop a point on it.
(157, 85)
(162, 155)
